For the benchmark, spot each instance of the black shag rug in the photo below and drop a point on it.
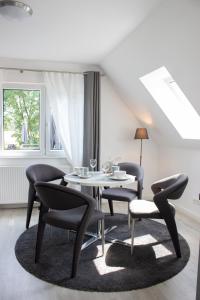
(153, 261)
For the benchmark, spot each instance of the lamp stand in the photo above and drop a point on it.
(141, 153)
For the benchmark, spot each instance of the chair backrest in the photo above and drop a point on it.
(135, 170)
(132, 169)
(170, 188)
(58, 197)
(43, 172)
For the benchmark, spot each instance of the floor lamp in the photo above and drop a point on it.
(141, 134)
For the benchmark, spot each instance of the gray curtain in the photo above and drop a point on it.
(91, 137)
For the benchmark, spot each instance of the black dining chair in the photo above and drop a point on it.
(40, 172)
(70, 209)
(160, 208)
(125, 194)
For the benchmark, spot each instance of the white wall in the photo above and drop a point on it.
(118, 126)
(170, 36)
(179, 160)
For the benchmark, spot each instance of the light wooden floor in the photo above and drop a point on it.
(16, 283)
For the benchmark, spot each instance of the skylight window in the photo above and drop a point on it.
(168, 95)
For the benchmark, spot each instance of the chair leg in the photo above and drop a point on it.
(40, 234)
(110, 202)
(29, 212)
(129, 220)
(102, 236)
(76, 254)
(171, 226)
(132, 235)
(31, 199)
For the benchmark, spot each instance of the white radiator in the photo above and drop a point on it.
(14, 184)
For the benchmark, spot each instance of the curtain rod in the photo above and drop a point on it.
(21, 70)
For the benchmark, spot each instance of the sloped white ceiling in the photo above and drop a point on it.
(80, 31)
(169, 37)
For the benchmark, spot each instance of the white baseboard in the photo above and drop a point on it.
(183, 211)
(17, 205)
(188, 213)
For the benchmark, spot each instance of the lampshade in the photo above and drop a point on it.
(141, 133)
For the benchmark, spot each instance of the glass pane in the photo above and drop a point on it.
(21, 119)
(55, 143)
(173, 102)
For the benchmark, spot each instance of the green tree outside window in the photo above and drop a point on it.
(21, 119)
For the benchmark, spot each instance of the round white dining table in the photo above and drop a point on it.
(99, 180)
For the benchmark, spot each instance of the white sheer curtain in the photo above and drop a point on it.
(65, 92)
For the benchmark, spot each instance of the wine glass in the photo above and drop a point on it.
(106, 167)
(93, 163)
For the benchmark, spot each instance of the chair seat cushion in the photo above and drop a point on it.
(146, 209)
(120, 194)
(70, 219)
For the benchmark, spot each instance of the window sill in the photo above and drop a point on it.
(31, 155)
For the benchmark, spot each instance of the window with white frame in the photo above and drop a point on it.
(28, 127)
(173, 102)
(21, 119)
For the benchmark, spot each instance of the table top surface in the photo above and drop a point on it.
(99, 179)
